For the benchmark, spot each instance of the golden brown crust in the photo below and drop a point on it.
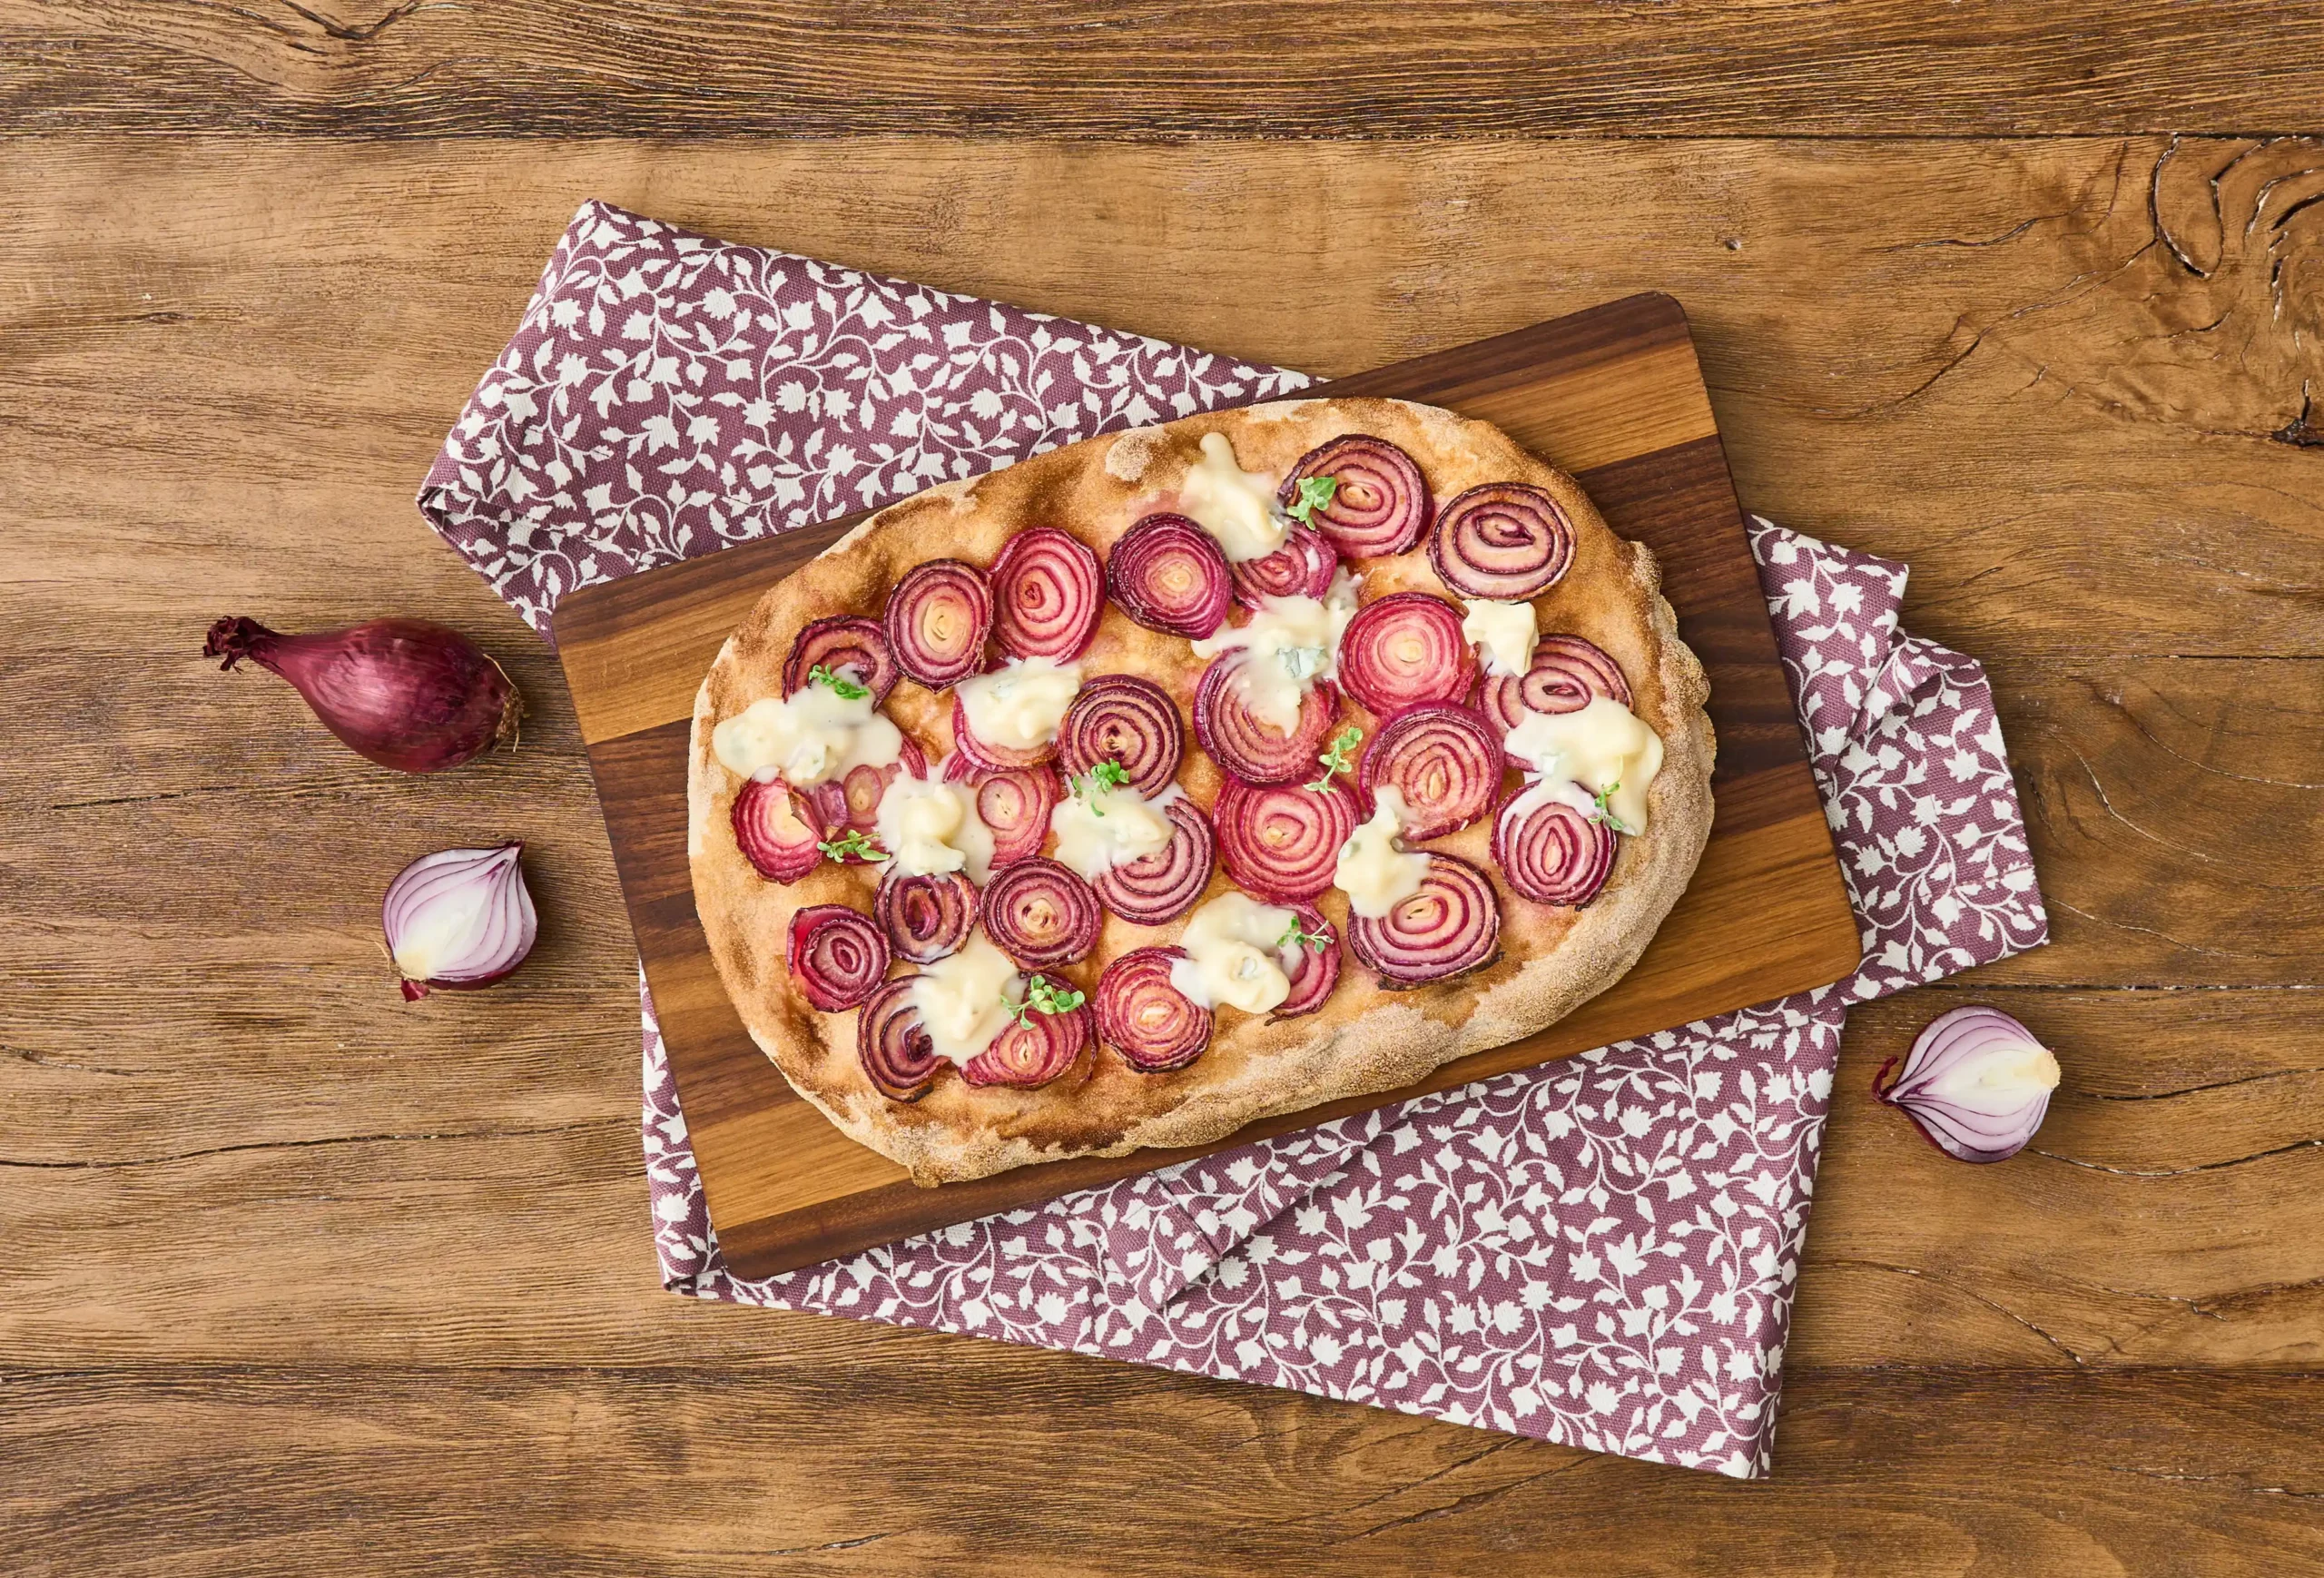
(1364, 1038)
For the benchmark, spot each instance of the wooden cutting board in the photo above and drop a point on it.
(1613, 395)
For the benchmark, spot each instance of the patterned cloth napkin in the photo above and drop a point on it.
(1599, 1252)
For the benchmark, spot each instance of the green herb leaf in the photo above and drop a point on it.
(1043, 996)
(839, 685)
(1335, 759)
(1295, 938)
(1605, 813)
(853, 843)
(1104, 775)
(1315, 493)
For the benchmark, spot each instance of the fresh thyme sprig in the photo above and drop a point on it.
(853, 843)
(1335, 759)
(839, 685)
(1315, 493)
(1103, 777)
(1605, 813)
(1293, 936)
(1043, 996)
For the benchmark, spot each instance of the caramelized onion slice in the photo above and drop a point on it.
(1505, 540)
(993, 758)
(1566, 672)
(1450, 927)
(1153, 1025)
(893, 1047)
(852, 802)
(1406, 650)
(773, 837)
(1163, 885)
(855, 647)
(1047, 590)
(1281, 843)
(1549, 851)
(1040, 912)
(1445, 761)
(925, 917)
(1169, 574)
(836, 955)
(1382, 502)
(1318, 966)
(1033, 1051)
(1247, 745)
(937, 620)
(1121, 718)
(1013, 803)
(1302, 567)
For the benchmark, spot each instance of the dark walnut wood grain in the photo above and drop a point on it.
(1615, 395)
(299, 1275)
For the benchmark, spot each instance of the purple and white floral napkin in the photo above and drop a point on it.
(1602, 1251)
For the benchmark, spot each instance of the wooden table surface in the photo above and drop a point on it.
(295, 1278)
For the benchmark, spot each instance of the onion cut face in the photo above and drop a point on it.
(1035, 1050)
(1248, 746)
(1163, 885)
(852, 803)
(837, 956)
(1153, 1025)
(1406, 650)
(893, 1045)
(1505, 540)
(1566, 672)
(459, 919)
(1014, 804)
(993, 758)
(1129, 721)
(1040, 912)
(1450, 927)
(1551, 851)
(1302, 567)
(855, 647)
(937, 620)
(1975, 1083)
(1382, 502)
(1445, 761)
(1047, 590)
(925, 917)
(1170, 574)
(1318, 966)
(1281, 843)
(773, 837)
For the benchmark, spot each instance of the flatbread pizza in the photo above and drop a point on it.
(1188, 775)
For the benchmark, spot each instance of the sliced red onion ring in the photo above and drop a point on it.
(459, 919)
(1246, 745)
(1505, 540)
(1034, 1051)
(1567, 671)
(936, 621)
(1152, 1024)
(925, 917)
(1014, 804)
(837, 956)
(1451, 926)
(853, 799)
(1281, 843)
(1169, 574)
(773, 837)
(1549, 851)
(1302, 567)
(855, 647)
(993, 758)
(1445, 761)
(1121, 718)
(1041, 912)
(1318, 967)
(1381, 504)
(893, 1046)
(1977, 1083)
(1406, 650)
(1163, 885)
(1047, 590)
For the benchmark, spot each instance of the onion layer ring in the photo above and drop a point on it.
(1445, 761)
(1381, 504)
(1047, 590)
(1153, 1025)
(1127, 720)
(937, 620)
(1281, 843)
(1505, 540)
(1406, 650)
(1450, 927)
(836, 955)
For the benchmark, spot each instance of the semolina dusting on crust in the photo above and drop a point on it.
(1364, 1038)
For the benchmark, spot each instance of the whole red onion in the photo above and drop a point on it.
(407, 694)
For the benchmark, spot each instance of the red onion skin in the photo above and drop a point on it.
(1037, 791)
(1354, 459)
(1949, 1128)
(405, 889)
(836, 996)
(1248, 747)
(408, 694)
(1039, 1050)
(1302, 567)
(1384, 691)
(936, 576)
(1566, 671)
(1501, 501)
(1126, 980)
(853, 800)
(899, 897)
(1175, 536)
(1513, 833)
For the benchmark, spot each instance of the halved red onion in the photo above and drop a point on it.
(1551, 851)
(459, 919)
(1381, 504)
(1041, 912)
(837, 956)
(1302, 567)
(1121, 718)
(1445, 761)
(1047, 590)
(1152, 1024)
(1318, 968)
(937, 620)
(1163, 885)
(853, 799)
(1282, 843)
(773, 837)
(925, 917)
(1977, 1083)
(893, 1046)
(993, 758)
(1169, 574)
(1246, 745)
(1567, 671)
(1505, 540)
(1014, 802)
(855, 647)
(1406, 650)
(1034, 1051)
(1450, 927)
